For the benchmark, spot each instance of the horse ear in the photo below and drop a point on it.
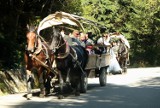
(28, 27)
(36, 27)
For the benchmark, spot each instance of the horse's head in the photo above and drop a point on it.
(31, 38)
(57, 40)
(122, 50)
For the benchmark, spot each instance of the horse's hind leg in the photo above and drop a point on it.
(76, 87)
(42, 87)
(125, 66)
(77, 92)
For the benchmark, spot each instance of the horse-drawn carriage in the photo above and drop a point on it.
(60, 64)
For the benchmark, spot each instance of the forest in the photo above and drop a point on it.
(138, 20)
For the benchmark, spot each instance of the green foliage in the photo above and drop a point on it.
(138, 20)
(15, 15)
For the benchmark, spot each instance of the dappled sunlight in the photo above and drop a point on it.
(148, 82)
(131, 90)
(110, 96)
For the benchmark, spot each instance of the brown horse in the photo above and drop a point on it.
(37, 55)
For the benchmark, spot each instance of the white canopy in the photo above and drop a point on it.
(57, 19)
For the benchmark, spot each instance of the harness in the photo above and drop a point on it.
(41, 45)
(64, 55)
(123, 51)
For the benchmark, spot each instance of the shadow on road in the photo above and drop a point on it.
(146, 95)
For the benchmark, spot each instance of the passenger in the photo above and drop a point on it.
(87, 43)
(83, 39)
(103, 41)
(75, 37)
(75, 34)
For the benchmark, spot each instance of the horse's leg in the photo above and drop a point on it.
(67, 77)
(41, 83)
(48, 84)
(29, 81)
(76, 83)
(61, 84)
(77, 89)
(125, 65)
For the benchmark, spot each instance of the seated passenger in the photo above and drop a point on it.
(75, 38)
(86, 42)
(103, 41)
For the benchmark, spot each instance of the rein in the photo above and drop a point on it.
(58, 46)
(64, 55)
(39, 46)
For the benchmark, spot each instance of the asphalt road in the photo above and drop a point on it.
(139, 88)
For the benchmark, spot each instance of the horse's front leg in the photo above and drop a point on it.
(29, 83)
(77, 89)
(76, 85)
(125, 66)
(61, 85)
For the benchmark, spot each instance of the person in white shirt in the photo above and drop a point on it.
(104, 40)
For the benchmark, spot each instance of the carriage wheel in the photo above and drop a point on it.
(83, 83)
(102, 76)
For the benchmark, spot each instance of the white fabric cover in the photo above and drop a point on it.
(114, 65)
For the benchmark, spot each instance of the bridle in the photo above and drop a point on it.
(58, 46)
(122, 49)
(35, 43)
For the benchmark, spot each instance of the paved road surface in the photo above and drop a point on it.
(139, 88)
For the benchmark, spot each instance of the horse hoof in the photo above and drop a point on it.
(41, 95)
(60, 97)
(77, 94)
(28, 96)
